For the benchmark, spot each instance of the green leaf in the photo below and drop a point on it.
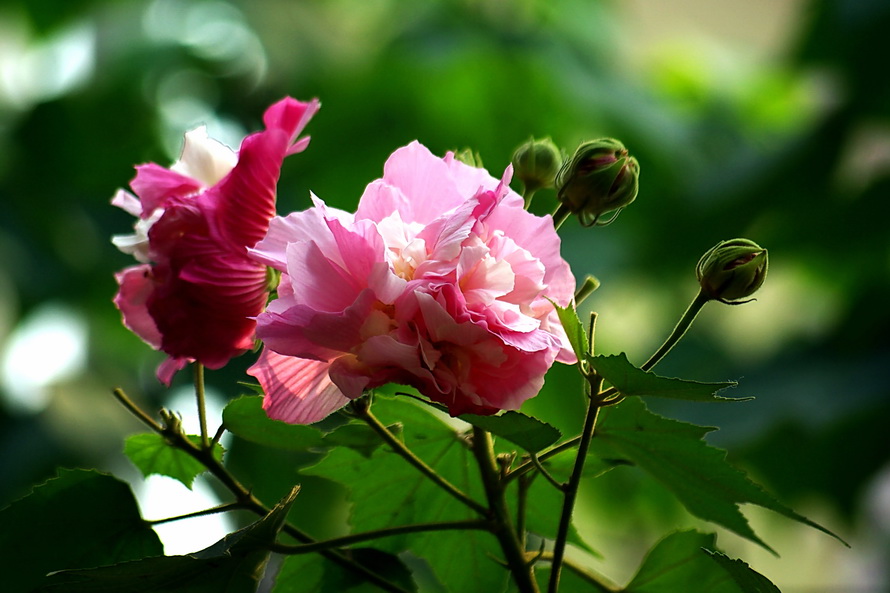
(79, 519)
(235, 564)
(629, 380)
(674, 453)
(387, 492)
(574, 330)
(309, 573)
(747, 579)
(529, 433)
(152, 454)
(246, 418)
(678, 563)
(360, 437)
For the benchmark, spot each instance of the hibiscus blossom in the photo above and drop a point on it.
(197, 292)
(440, 281)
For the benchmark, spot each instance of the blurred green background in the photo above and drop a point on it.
(769, 120)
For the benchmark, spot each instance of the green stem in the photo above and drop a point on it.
(137, 411)
(202, 408)
(399, 448)
(528, 195)
(571, 488)
(483, 450)
(244, 498)
(526, 467)
(560, 215)
(537, 463)
(599, 582)
(339, 542)
(521, 505)
(679, 330)
(229, 506)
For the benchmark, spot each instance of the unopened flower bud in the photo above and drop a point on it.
(732, 270)
(536, 164)
(600, 177)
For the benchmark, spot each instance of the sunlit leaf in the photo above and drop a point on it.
(357, 436)
(246, 418)
(678, 563)
(152, 454)
(525, 431)
(675, 453)
(235, 564)
(574, 330)
(629, 381)
(79, 519)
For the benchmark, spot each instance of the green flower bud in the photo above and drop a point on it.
(600, 177)
(732, 270)
(536, 164)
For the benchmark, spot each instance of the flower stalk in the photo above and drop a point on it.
(571, 487)
(202, 407)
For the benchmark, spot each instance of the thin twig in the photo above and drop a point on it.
(244, 498)
(526, 467)
(137, 411)
(602, 583)
(347, 540)
(400, 448)
(229, 506)
(537, 462)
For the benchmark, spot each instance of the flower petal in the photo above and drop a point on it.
(297, 390)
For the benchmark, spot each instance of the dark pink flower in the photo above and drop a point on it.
(440, 281)
(197, 292)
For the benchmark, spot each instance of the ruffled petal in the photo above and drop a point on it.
(155, 185)
(297, 390)
(245, 199)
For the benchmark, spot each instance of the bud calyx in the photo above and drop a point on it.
(732, 270)
(600, 177)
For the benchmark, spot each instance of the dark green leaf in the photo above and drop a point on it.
(235, 564)
(254, 388)
(629, 380)
(574, 330)
(152, 454)
(79, 519)
(529, 433)
(675, 454)
(387, 491)
(309, 573)
(246, 418)
(748, 580)
(677, 563)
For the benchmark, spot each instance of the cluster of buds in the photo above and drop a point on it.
(601, 177)
(732, 270)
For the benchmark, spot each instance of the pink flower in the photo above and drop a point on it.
(197, 292)
(440, 281)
